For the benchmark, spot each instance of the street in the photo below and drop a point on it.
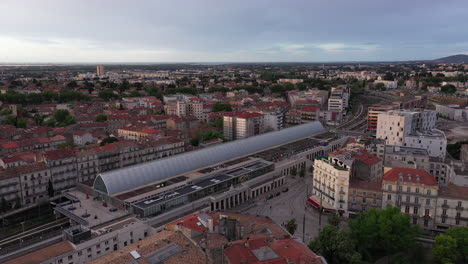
(292, 204)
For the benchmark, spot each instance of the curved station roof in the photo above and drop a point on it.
(119, 180)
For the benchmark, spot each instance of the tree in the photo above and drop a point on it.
(107, 94)
(50, 123)
(334, 219)
(9, 120)
(294, 171)
(460, 234)
(38, 119)
(379, 86)
(108, 140)
(445, 249)
(383, 232)
(455, 149)
(134, 93)
(5, 111)
(21, 123)
(101, 118)
(50, 189)
(291, 226)
(448, 89)
(336, 246)
(302, 172)
(63, 118)
(222, 107)
(194, 142)
(72, 84)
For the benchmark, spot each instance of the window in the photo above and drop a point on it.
(389, 188)
(416, 200)
(407, 210)
(428, 201)
(444, 211)
(415, 210)
(400, 188)
(70, 257)
(408, 189)
(428, 192)
(426, 212)
(445, 202)
(459, 204)
(417, 190)
(426, 222)
(389, 197)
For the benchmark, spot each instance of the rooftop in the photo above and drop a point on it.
(44, 254)
(454, 191)
(410, 175)
(117, 180)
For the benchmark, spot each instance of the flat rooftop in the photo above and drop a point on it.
(89, 209)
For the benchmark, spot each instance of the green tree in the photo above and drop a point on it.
(336, 246)
(21, 123)
(9, 120)
(461, 236)
(101, 118)
(63, 118)
(5, 111)
(302, 172)
(38, 119)
(50, 123)
(334, 219)
(291, 226)
(379, 86)
(222, 107)
(50, 189)
(107, 94)
(445, 249)
(294, 171)
(448, 89)
(72, 84)
(194, 142)
(134, 93)
(383, 232)
(108, 140)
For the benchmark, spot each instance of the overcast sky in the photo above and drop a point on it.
(231, 31)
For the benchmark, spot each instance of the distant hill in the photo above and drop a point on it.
(460, 58)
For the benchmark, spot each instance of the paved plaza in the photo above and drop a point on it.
(292, 204)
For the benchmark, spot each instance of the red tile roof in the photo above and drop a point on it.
(59, 154)
(366, 157)
(425, 177)
(454, 191)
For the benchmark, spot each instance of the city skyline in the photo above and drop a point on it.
(240, 31)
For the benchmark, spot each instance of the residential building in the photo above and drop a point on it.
(452, 112)
(414, 191)
(100, 70)
(62, 166)
(452, 205)
(240, 125)
(331, 183)
(373, 113)
(364, 195)
(406, 157)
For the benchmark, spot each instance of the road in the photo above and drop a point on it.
(292, 204)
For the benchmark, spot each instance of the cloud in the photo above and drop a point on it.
(341, 47)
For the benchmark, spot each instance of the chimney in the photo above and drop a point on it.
(210, 225)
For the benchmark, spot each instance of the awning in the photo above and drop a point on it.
(315, 202)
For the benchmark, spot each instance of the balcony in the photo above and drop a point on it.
(459, 208)
(445, 206)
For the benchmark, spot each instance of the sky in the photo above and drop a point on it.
(106, 31)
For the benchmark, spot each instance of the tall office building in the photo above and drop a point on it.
(100, 70)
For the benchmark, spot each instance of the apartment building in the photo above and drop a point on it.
(372, 115)
(364, 195)
(412, 129)
(139, 133)
(453, 112)
(302, 114)
(414, 191)
(240, 125)
(406, 157)
(63, 169)
(331, 183)
(452, 205)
